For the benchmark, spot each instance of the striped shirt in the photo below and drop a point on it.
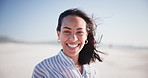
(61, 66)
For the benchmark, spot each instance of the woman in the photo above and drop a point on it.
(75, 32)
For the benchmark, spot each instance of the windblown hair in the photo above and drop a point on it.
(89, 53)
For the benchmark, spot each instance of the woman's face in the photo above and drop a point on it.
(72, 35)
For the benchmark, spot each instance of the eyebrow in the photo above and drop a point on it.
(70, 28)
(79, 28)
(66, 28)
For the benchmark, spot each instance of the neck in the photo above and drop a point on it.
(78, 66)
(75, 59)
(76, 62)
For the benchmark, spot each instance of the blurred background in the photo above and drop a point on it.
(28, 35)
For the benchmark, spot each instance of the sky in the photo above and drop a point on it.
(123, 22)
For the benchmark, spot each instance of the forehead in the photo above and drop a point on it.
(73, 22)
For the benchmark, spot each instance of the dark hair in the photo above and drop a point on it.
(89, 52)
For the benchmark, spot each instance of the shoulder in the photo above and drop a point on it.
(47, 63)
(91, 71)
(45, 67)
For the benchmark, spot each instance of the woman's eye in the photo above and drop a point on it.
(80, 32)
(66, 32)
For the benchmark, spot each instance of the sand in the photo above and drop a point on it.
(17, 60)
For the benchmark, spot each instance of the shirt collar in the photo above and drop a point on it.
(68, 61)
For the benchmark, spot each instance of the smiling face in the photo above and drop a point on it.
(72, 35)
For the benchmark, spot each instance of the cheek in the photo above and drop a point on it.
(63, 38)
(83, 39)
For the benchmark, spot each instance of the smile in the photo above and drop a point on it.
(73, 46)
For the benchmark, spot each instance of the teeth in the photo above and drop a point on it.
(72, 45)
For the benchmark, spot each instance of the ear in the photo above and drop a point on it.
(58, 33)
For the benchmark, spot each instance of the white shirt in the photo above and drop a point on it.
(61, 66)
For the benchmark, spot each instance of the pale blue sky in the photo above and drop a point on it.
(122, 21)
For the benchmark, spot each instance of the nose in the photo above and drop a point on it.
(73, 38)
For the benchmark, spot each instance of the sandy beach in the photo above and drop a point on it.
(17, 60)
